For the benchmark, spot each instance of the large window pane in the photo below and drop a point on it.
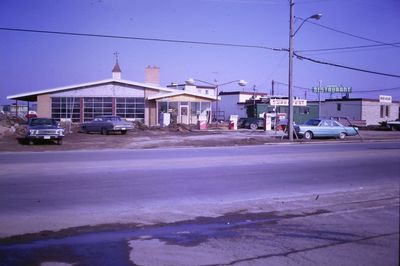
(127, 108)
(65, 108)
(97, 106)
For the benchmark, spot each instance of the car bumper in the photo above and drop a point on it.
(44, 137)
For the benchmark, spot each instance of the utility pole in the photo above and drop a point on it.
(290, 93)
(254, 102)
(273, 88)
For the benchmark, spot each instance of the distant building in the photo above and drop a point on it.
(16, 110)
(363, 112)
(234, 102)
(372, 111)
(198, 89)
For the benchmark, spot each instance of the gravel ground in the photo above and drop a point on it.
(161, 138)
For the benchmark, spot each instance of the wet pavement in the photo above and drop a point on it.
(242, 238)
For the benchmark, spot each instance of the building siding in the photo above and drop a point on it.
(44, 105)
(108, 90)
(363, 109)
(350, 109)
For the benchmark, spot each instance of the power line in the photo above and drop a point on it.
(377, 90)
(349, 34)
(346, 67)
(354, 91)
(348, 47)
(142, 38)
(298, 87)
(191, 42)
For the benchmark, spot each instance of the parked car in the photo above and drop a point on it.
(44, 129)
(314, 128)
(251, 123)
(393, 125)
(106, 124)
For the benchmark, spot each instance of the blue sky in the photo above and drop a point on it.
(33, 61)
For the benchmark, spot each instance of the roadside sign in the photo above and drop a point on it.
(285, 102)
(332, 89)
(385, 99)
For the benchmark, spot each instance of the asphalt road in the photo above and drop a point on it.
(80, 188)
(58, 190)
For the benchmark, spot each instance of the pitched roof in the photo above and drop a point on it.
(116, 68)
(180, 92)
(32, 96)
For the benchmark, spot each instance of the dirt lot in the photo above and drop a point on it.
(171, 137)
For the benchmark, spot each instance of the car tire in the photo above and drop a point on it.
(253, 126)
(342, 135)
(123, 132)
(104, 131)
(59, 142)
(30, 142)
(308, 135)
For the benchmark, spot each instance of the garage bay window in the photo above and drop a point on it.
(65, 108)
(131, 108)
(96, 106)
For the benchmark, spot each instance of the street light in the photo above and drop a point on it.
(291, 38)
(193, 81)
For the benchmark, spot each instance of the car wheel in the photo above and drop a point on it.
(253, 126)
(104, 131)
(342, 135)
(123, 132)
(30, 142)
(308, 135)
(59, 142)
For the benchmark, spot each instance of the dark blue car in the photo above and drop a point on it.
(44, 129)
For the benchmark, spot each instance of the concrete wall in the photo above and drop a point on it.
(350, 109)
(150, 110)
(44, 105)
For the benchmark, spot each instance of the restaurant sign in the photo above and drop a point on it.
(332, 89)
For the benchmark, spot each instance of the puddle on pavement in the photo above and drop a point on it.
(108, 244)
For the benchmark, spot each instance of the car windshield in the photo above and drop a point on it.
(107, 118)
(42, 121)
(113, 118)
(312, 122)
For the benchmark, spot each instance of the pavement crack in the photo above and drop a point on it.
(296, 251)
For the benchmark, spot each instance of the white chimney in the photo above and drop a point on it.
(152, 75)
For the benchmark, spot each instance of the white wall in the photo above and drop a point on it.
(359, 110)
(229, 104)
(372, 112)
(201, 90)
(108, 90)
